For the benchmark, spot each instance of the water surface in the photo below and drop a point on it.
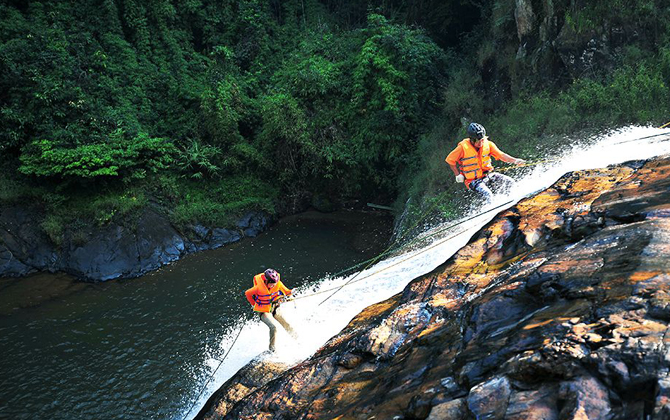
(142, 348)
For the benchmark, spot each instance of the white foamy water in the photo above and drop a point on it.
(317, 321)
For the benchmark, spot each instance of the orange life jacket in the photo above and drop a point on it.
(475, 163)
(264, 299)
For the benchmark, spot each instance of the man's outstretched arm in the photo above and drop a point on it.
(511, 159)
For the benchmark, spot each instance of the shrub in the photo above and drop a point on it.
(218, 203)
(53, 227)
(119, 205)
(198, 160)
(119, 157)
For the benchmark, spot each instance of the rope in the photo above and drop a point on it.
(369, 262)
(337, 289)
(527, 164)
(388, 250)
(214, 373)
(537, 162)
(353, 279)
(373, 260)
(643, 138)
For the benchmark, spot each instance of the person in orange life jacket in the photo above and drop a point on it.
(266, 296)
(470, 162)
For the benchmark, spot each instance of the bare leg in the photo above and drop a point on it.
(278, 316)
(269, 320)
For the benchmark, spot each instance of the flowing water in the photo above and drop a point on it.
(153, 347)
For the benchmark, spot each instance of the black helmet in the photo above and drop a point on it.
(476, 131)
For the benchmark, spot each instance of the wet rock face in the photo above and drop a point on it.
(552, 43)
(254, 375)
(557, 309)
(109, 252)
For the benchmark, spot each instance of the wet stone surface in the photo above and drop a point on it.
(557, 309)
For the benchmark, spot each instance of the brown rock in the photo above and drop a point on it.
(451, 410)
(538, 404)
(557, 308)
(489, 400)
(254, 375)
(662, 403)
(585, 398)
(350, 360)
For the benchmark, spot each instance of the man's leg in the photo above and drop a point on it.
(269, 320)
(278, 316)
(500, 182)
(480, 187)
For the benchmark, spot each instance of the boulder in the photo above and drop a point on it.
(489, 400)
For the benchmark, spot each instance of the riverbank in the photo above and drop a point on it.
(125, 249)
(32, 289)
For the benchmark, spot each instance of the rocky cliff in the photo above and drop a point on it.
(556, 309)
(547, 44)
(109, 252)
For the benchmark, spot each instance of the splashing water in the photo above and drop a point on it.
(317, 320)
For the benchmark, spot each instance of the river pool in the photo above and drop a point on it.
(142, 348)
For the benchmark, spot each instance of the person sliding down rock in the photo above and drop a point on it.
(470, 162)
(266, 296)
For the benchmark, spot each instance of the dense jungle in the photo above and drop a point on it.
(202, 110)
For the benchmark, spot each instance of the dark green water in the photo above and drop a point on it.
(140, 348)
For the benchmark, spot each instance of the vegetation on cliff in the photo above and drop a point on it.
(207, 109)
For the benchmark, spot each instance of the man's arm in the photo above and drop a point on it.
(451, 160)
(285, 290)
(500, 155)
(511, 159)
(250, 295)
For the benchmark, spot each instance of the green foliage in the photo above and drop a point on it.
(202, 104)
(101, 91)
(534, 125)
(312, 82)
(218, 203)
(118, 157)
(462, 94)
(11, 190)
(309, 75)
(632, 95)
(584, 15)
(116, 204)
(664, 64)
(286, 141)
(198, 161)
(520, 128)
(223, 109)
(53, 227)
(396, 83)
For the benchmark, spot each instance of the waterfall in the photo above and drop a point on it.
(317, 322)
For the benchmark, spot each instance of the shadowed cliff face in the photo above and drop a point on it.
(557, 309)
